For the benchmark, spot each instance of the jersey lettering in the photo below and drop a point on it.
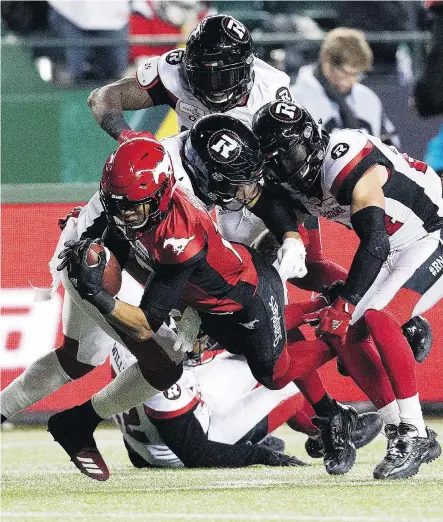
(418, 165)
(392, 226)
(131, 419)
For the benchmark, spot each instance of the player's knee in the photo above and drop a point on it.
(67, 357)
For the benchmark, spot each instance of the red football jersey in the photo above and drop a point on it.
(224, 278)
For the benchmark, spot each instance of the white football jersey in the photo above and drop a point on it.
(413, 198)
(365, 104)
(269, 84)
(138, 430)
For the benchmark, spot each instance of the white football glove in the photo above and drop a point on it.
(187, 327)
(291, 258)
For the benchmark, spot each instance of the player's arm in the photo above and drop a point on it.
(185, 437)
(141, 92)
(280, 217)
(368, 221)
(163, 292)
(108, 103)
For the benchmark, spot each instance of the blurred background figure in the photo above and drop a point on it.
(76, 20)
(164, 17)
(428, 94)
(331, 90)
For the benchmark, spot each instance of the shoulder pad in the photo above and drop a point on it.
(147, 72)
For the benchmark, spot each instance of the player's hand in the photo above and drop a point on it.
(188, 328)
(127, 135)
(334, 319)
(276, 458)
(71, 214)
(86, 279)
(291, 258)
(331, 292)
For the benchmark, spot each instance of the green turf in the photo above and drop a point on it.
(39, 483)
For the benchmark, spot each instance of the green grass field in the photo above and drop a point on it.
(39, 483)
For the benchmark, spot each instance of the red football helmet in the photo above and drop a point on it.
(136, 185)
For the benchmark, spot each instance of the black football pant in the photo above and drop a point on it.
(258, 331)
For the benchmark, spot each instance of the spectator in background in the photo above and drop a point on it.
(80, 19)
(428, 92)
(330, 89)
(172, 17)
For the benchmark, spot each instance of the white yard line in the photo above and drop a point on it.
(124, 515)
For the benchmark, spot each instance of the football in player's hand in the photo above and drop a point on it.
(112, 276)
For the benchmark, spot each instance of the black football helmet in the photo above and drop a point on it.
(221, 154)
(294, 145)
(218, 62)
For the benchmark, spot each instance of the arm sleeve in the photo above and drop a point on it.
(164, 290)
(277, 214)
(372, 252)
(186, 438)
(428, 92)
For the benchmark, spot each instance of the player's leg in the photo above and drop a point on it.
(84, 346)
(385, 312)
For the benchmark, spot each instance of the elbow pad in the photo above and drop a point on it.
(369, 225)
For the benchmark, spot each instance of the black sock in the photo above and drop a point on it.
(3, 418)
(90, 417)
(325, 407)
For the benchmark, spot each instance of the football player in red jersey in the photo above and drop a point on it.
(238, 295)
(395, 206)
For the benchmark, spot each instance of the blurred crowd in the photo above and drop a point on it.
(326, 64)
(82, 21)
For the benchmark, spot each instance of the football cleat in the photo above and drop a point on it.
(336, 433)
(368, 427)
(90, 462)
(419, 335)
(76, 438)
(406, 452)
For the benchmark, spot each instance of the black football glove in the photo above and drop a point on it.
(276, 458)
(331, 292)
(86, 279)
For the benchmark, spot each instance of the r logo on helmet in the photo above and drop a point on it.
(235, 29)
(285, 112)
(339, 150)
(224, 147)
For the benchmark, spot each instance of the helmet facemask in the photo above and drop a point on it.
(221, 88)
(150, 212)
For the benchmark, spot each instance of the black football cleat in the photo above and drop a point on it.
(419, 335)
(336, 432)
(273, 443)
(406, 452)
(76, 438)
(368, 427)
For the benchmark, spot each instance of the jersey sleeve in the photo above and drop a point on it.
(148, 78)
(350, 155)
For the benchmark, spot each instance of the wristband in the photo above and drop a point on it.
(103, 302)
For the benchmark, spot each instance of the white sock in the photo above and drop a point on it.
(43, 377)
(410, 413)
(390, 413)
(127, 390)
